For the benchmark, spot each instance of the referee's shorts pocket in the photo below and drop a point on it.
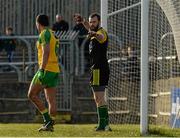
(95, 77)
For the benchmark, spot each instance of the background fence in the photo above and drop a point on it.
(24, 64)
(21, 14)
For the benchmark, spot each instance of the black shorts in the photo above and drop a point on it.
(99, 77)
(98, 88)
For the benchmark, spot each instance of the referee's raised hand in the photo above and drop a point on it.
(91, 33)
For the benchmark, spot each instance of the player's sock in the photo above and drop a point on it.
(46, 115)
(53, 119)
(106, 117)
(102, 116)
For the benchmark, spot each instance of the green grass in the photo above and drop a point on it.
(65, 130)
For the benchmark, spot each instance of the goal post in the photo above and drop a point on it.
(104, 13)
(144, 55)
(144, 66)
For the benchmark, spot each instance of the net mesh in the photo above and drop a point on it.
(124, 30)
(124, 60)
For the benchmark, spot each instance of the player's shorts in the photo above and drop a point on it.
(98, 88)
(99, 79)
(50, 79)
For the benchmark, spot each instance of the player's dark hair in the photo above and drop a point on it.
(43, 19)
(95, 15)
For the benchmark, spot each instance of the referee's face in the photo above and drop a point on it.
(94, 23)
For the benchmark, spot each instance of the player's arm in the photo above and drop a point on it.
(100, 35)
(45, 55)
(45, 49)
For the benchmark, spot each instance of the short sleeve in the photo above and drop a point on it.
(45, 37)
(101, 31)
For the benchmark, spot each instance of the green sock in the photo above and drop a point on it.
(107, 118)
(46, 115)
(103, 117)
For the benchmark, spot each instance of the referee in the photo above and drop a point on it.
(99, 69)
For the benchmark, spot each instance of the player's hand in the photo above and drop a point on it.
(41, 74)
(86, 24)
(91, 33)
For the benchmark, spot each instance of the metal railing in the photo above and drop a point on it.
(68, 61)
(18, 10)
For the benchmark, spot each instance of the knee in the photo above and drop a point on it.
(99, 101)
(52, 110)
(52, 103)
(31, 96)
(96, 99)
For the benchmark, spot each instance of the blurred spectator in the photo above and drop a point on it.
(9, 44)
(83, 31)
(131, 63)
(79, 26)
(131, 51)
(124, 53)
(77, 17)
(60, 25)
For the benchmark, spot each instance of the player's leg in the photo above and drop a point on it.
(33, 94)
(102, 110)
(50, 81)
(99, 80)
(11, 56)
(50, 94)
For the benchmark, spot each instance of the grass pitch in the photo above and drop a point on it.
(66, 130)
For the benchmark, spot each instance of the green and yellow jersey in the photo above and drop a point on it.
(47, 37)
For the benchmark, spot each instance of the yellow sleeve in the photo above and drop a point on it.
(45, 37)
(102, 32)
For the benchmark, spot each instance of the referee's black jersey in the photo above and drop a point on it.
(99, 63)
(98, 51)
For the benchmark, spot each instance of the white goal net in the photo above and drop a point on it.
(124, 28)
